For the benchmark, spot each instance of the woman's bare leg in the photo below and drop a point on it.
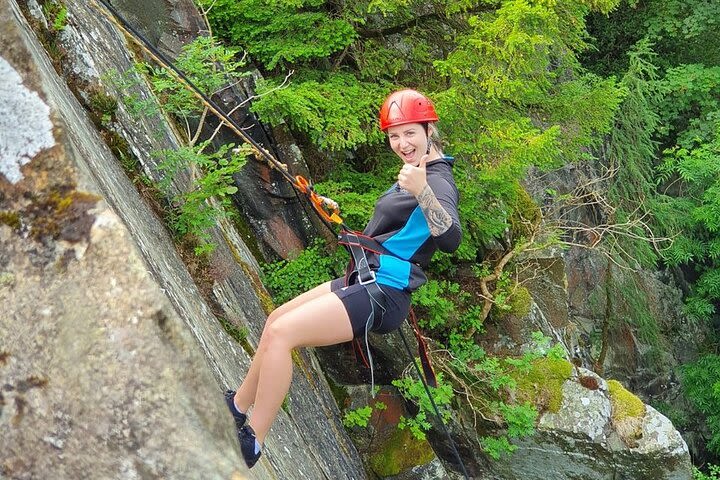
(245, 394)
(318, 322)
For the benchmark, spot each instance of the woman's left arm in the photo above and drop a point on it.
(438, 219)
(438, 201)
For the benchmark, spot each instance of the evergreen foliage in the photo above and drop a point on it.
(631, 151)
(666, 143)
(701, 381)
(336, 111)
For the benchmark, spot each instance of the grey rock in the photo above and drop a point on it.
(105, 310)
(580, 442)
(583, 412)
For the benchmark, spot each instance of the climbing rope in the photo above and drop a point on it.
(327, 209)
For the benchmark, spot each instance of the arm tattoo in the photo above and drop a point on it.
(437, 218)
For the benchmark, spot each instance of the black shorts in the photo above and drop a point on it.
(357, 304)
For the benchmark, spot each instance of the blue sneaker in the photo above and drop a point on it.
(249, 445)
(240, 418)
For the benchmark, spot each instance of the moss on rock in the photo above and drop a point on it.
(525, 213)
(628, 412)
(519, 302)
(624, 403)
(11, 219)
(542, 383)
(400, 452)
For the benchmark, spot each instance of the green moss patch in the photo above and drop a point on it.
(520, 302)
(400, 452)
(11, 219)
(624, 403)
(525, 213)
(542, 383)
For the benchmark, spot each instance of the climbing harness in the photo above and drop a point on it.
(366, 277)
(358, 244)
(327, 209)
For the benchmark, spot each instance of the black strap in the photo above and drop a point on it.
(356, 239)
(357, 244)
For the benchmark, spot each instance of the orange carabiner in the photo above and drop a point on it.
(319, 203)
(302, 184)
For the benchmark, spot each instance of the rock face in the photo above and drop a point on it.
(627, 324)
(99, 372)
(112, 359)
(585, 440)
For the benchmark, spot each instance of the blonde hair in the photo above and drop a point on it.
(435, 137)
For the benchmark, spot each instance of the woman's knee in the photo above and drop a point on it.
(273, 316)
(278, 335)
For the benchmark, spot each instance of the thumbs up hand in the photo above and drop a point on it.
(413, 179)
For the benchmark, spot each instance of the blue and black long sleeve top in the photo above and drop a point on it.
(399, 225)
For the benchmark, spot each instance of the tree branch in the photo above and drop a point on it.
(367, 33)
(439, 16)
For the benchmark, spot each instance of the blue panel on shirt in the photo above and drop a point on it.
(410, 238)
(393, 272)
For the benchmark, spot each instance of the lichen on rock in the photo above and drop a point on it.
(25, 125)
(583, 412)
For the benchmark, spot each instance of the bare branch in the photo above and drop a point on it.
(200, 125)
(246, 101)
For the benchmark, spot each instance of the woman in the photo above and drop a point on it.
(411, 221)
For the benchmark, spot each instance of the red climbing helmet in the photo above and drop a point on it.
(406, 106)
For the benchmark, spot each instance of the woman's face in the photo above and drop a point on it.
(409, 142)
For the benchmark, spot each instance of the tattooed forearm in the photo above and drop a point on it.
(437, 218)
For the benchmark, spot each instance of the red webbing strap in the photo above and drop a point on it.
(423, 352)
(357, 348)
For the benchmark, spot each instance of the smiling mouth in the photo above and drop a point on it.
(409, 155)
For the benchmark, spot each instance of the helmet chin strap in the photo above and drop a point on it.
(429, 140)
